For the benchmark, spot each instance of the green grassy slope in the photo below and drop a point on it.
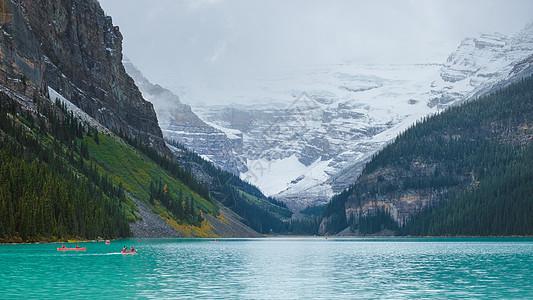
(135, 171)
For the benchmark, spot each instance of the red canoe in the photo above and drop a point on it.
(72, 249)
(126, 252)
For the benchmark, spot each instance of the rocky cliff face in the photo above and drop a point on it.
(21, 58)
(73, 47)
(179, 123)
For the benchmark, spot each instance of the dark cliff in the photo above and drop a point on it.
(72, 47)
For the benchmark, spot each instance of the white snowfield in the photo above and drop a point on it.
(276, 176)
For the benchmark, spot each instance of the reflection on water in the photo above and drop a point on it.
(284, 268)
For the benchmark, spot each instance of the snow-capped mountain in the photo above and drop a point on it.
(311, 129)
(479, 64)
(336, 117)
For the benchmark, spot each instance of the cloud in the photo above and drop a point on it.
(219, 50)
(201, 4)
(215, 40)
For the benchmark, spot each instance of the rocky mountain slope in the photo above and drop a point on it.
(312, 131)
(73, 47)
(179, 123)
(480, 64)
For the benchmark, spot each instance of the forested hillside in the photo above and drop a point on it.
(61, 178)
(465, 171)
(64, 179)
(49, 188)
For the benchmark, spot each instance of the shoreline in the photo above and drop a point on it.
(280, 236)
(57, 242)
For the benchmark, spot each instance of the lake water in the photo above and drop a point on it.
(272, 268)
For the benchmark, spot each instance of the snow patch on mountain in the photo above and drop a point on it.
(322, 125)
(278, 175)
(54, 95)
(231, 134)
(479, 64)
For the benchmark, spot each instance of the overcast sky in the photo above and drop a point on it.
(213, 40)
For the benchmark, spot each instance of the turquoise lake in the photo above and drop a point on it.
(272, 268)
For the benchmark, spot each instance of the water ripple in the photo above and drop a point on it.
(286, 268)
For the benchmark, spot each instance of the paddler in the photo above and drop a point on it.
(77, 246)
(124, 248)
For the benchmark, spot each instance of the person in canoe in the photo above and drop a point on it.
(77, 246)
(63, 246)
(132, 249)
(124, 248)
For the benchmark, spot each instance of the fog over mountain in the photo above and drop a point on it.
(192, 47)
